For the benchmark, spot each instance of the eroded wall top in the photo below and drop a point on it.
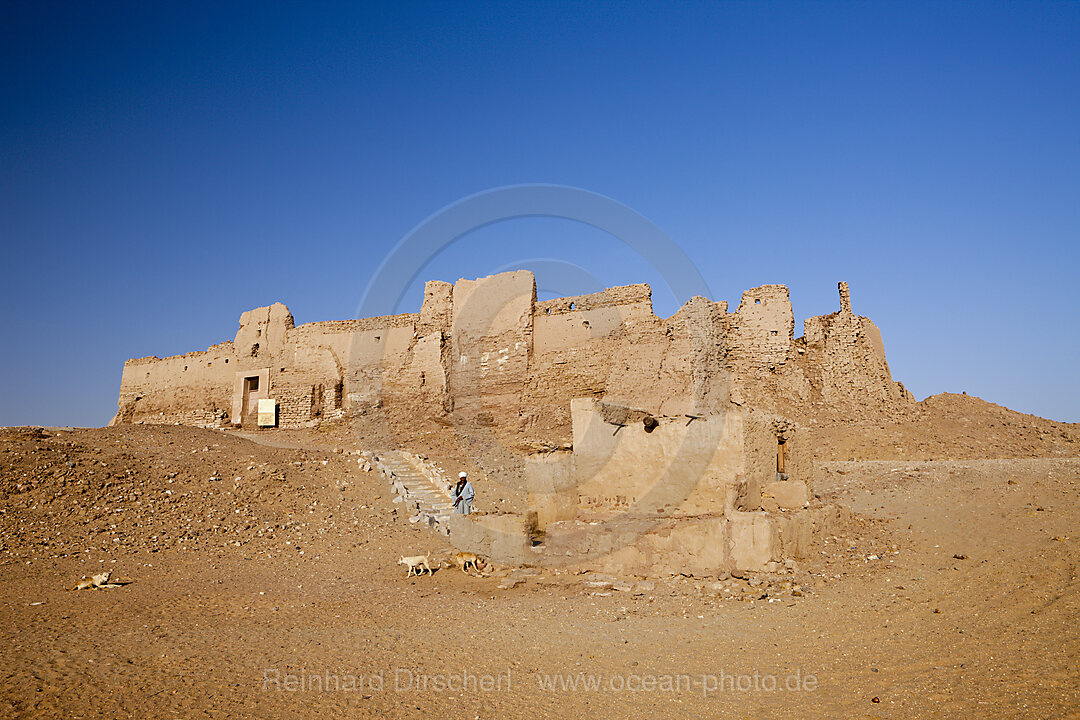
(486, 350)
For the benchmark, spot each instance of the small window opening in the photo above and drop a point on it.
(226, 361)
(772, 332)
(255, 350)
(781, 456)
(757, 302)
(572, 306)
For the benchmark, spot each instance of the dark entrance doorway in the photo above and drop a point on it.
(251, 402)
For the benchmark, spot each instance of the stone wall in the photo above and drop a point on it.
(295, 404)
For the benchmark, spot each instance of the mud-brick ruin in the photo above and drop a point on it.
(658, 444)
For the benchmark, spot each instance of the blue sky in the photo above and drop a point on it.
(165, 167)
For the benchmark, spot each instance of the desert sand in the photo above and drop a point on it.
(263, 582)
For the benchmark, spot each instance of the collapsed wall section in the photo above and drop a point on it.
(837, 366)
(627, 460)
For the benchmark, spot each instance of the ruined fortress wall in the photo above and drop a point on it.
(491, 339)
(612, 345)
(307, 374)
(191, 389)
(762, 330)
(263, 330)
(577, 343)
(487, 351)
(653, 370)
(308, 369)
(335, 366)
(436, 312)
(551, 481)
(571, 330)
(849, 360)
(706, 325)
(566, 324)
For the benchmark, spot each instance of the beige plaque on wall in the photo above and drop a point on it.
(267, 412)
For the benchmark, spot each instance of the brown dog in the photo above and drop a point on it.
(463, 560)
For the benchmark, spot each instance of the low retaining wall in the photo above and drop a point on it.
(702, 546)
(505, 539)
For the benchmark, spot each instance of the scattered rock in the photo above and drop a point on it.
(600, 581)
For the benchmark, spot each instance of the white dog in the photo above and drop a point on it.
(414, 562)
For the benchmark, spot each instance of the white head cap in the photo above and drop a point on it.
(462, 475)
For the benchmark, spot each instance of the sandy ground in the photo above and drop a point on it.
(264, 584)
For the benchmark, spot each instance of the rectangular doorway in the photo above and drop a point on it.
(251, 400)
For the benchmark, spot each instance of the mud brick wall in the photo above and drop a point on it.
(294, 404)
(848, 356)
(763, 329)
(194, 418)
(491, 339)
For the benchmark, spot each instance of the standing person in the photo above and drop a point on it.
(463, 495)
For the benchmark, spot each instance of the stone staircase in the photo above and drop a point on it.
(422, 487)
(419, 484)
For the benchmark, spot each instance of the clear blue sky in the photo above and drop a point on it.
(165, 167)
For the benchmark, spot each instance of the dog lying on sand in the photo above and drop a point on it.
(414, 562)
